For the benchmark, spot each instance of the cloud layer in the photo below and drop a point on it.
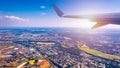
(10, 20)
(13, 18)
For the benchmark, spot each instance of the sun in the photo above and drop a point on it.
(86, 23)
(82, 23)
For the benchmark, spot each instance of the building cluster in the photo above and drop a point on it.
(58, 48)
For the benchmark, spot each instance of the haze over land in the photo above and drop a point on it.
(59, 46)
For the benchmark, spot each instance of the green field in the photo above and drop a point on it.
(64, 46)
(46, 43)
(99, 53)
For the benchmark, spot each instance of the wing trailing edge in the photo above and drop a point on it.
(97, 25)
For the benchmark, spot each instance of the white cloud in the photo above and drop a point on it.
(15, 18)
(6, 20)
(42, 6)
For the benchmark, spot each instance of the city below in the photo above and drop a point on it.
(59, 48)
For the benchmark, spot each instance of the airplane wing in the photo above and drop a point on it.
(101, 19)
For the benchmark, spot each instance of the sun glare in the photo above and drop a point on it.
(83, 23)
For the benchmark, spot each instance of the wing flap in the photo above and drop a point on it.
(99, 25)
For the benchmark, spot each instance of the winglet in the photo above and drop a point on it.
(58, 11)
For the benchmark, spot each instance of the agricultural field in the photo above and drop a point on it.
(45, 43)
(99, 53)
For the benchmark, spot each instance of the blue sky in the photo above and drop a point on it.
(39, 13)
